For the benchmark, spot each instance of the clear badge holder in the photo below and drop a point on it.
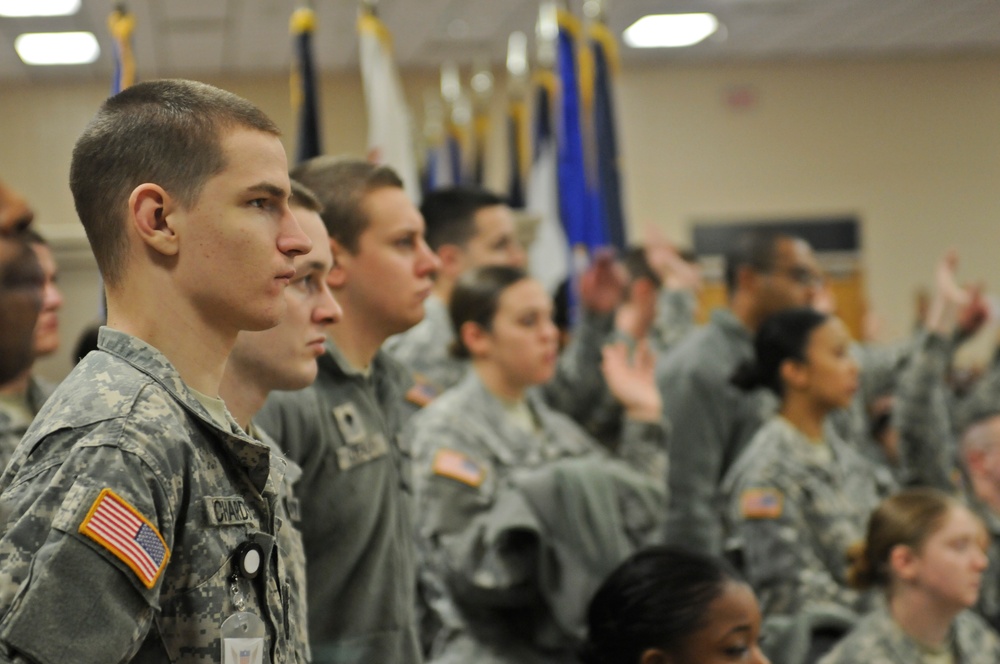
(243, 633)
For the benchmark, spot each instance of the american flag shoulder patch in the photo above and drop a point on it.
(761, 503)
(459, 467)
(122, 530)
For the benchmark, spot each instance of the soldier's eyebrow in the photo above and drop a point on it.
(269, 188)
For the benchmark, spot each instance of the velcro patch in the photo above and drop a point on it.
(122, 530)
(761, 503)
(457, 466)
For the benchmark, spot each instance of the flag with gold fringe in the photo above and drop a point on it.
(604, 49)
(305, 94)
(579, 197)
(121, 25)
(390, 137)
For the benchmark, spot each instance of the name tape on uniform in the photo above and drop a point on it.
(227, 511)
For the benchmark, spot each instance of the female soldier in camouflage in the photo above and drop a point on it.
(924, 549)
(799, 496)
(504, 486)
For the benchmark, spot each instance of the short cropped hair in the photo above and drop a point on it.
(755, 249)
(450, 214)
(341, 185)
(303, 197)
(638, 267)
(168, 132)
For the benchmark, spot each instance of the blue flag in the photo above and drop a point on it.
(579, 202)
(605, 51)
(305, 96)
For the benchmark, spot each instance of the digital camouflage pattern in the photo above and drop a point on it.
(478, 534)
(124, 420)
(877, 639)
(14, 421)
(793, 509)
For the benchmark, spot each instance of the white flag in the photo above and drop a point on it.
(390, 137)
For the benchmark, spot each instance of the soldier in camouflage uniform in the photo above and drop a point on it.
(134, 495)
(344, 429)
(923, 550)
(799, 496)
(22, 397)
(470, 228)
(20, 302)
(712, 421)
(479, 452)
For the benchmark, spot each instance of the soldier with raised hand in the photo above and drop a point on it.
(141, 516)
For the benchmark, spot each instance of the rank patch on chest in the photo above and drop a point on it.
(761, 504)
(457, 466)
(122, 530)
(352, 428)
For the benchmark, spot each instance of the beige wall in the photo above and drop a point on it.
(910, 146)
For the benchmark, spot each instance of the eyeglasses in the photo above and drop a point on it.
(800, 275)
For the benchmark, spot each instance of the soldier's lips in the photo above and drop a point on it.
(317, 345)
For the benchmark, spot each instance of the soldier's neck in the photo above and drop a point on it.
(804, 416)
(17, 385)
(197, 351)
(356, 341)
(924, 620)
(243, 394)
(443, 288)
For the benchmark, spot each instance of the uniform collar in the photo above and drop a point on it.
(249, 453)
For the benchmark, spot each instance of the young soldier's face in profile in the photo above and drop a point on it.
(389, 276)
(284, 357)
(495, 241)
(239, 237)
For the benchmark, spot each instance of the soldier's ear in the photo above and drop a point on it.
(155, 217)
(904, 562)
(793, 373)
(475, 339)
(655, 656)
(452, 259)
(337, 276)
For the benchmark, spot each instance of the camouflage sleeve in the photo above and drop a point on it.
(696, 463)
(983, 400)
(779, 562)
(72, 593)
(880, 365)
(675, 311)
(922, 419)
(644, 447)
(578, 385)
(478, 534)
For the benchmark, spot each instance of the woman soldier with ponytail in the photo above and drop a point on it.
(925, 551)
(799, 496)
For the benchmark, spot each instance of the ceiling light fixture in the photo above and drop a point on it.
(57, 48)
(670, 30)
(26, 8)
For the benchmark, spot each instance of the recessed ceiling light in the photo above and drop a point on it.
(22, 8)
(57, 48)
(670, 30)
